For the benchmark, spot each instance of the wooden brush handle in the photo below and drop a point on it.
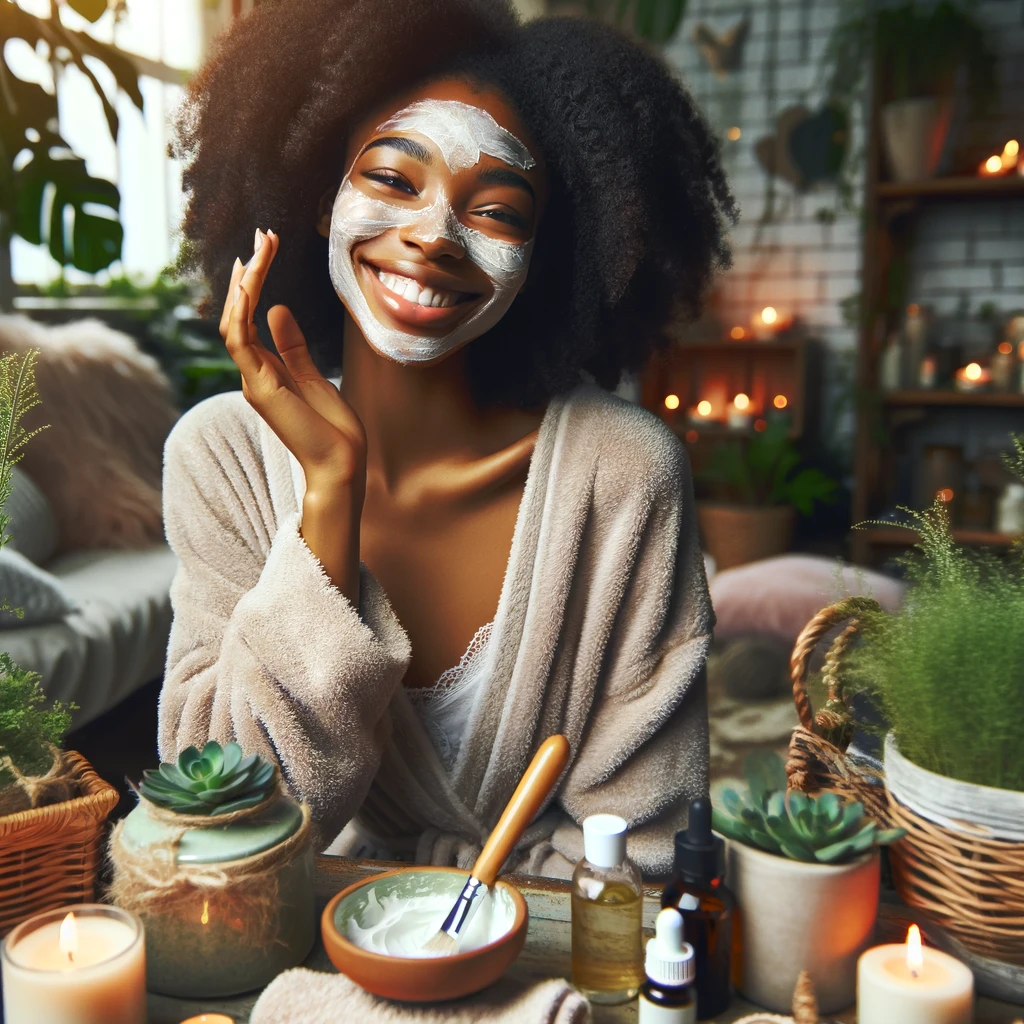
(533, 789)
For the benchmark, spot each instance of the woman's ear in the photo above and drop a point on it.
(323, 212)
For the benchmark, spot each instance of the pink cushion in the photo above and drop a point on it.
(779, 596)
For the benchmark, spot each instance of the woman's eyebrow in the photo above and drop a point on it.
(410, 147)
(502, 176)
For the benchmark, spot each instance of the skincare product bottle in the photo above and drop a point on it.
(607, 909)
(710, 920)
(667, 997)
(891, 366)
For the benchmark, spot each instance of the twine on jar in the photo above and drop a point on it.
(149, 880)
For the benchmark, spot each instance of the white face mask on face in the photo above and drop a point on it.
(462, 133)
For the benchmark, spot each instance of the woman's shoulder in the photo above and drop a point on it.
(220, 430)
(627, 442)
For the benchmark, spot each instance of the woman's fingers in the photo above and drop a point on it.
(229, 300)
(255, 272)
(291, 344)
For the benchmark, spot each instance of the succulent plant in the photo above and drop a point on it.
(214, 780)
(824, 829)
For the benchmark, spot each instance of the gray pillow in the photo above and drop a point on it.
(33, 527)
(24, 585)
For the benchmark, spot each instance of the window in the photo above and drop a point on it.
(166, 38)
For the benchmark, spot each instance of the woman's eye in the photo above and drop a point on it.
(392, 179)
(504, 216)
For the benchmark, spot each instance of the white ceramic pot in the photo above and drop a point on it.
(914, 132)
(798, 917)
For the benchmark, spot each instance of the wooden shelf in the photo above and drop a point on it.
(952, 188)
(898, 536)
(992, 399)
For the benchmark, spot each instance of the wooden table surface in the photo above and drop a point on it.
(545, 955)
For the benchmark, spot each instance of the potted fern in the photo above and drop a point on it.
(52, 804)
(946, 671)
(760, 486)
(805, 872)
(218, 863)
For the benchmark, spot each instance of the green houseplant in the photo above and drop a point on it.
(919, 48)
(759, 485)
(217, 861)
(805, 871)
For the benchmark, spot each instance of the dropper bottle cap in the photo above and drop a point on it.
(700, 854)
(669, 959)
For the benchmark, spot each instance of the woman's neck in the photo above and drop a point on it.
(416, 415)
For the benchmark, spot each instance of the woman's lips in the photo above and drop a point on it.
(412, 304)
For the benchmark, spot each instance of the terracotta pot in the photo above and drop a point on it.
(737, 534)
(798, 917)
(914, 132)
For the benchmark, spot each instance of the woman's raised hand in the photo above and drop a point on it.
(303, 408)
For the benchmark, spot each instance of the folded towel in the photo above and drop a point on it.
(301, 996)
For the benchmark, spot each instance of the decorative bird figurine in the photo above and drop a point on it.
(723, 53)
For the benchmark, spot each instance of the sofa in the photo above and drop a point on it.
(87, 561)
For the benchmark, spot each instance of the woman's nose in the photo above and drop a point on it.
(434, 236)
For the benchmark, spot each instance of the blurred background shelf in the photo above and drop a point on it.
(992, 399)
(952, 188)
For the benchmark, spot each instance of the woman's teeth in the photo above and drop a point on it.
(410, 290)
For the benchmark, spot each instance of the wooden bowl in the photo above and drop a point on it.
(420, 979)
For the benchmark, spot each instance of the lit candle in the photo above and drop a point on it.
(992, 167)
(701, 412)
(76, 965)
(910, 984)
(769, 322)
(972, 377)
(738, 415)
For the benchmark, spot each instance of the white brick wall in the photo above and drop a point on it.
(973, 250)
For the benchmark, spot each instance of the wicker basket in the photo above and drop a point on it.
(49, 855)
(972, 887)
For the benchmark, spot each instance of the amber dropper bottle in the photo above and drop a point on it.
(698, 891)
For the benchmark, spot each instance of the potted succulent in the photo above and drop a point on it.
(761, 487)
(217, 862)
(805, 872)
(920, 47)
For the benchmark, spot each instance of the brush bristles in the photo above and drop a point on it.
(442, 944)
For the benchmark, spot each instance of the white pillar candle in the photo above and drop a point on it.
(76, 965)
(910, 984)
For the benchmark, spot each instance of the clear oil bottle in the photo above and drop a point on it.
(607, 915)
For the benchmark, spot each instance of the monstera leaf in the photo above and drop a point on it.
(46, 194)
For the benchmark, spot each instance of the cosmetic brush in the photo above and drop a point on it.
(533, 789)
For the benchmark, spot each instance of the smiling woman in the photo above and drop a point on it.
(398, 586)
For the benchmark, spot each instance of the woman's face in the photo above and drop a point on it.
(432, 228)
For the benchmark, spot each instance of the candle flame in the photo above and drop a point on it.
(769, 315)
(741, 401)
(704, 408)
(915, 955)
(68, 938)
(972, 371)
(205, 919)
(671, 401)
(994, 164)
(1012, 148)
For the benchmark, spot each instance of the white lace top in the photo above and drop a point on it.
(445, 707)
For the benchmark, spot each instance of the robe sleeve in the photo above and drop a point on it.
(642, 750)
(264, 649)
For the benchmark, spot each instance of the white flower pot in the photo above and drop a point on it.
(914, 132)
(798, 917)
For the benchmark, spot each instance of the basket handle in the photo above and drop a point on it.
(806, 643)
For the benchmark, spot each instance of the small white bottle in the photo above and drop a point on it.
(668, 995)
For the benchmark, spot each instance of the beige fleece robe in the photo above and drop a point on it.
(602, 630)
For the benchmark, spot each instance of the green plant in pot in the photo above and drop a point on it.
(805, 872)
(920, 49)
(217, 861)
(762, 485)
